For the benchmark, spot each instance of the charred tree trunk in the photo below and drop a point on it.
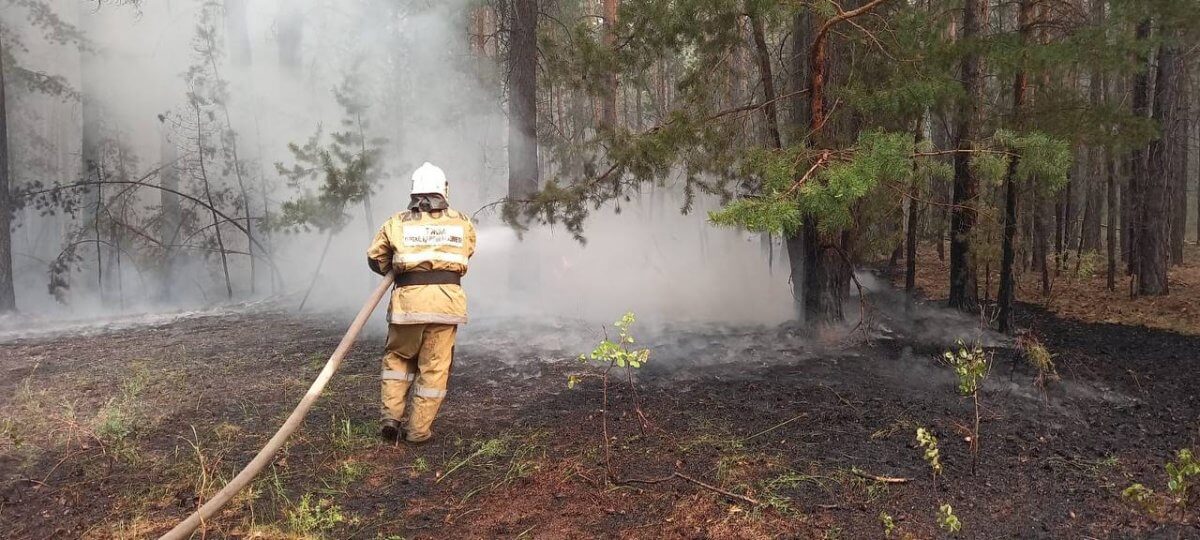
(1006, 296)
(522, 100)
(1153, 241)
(963, 214)
(8, 297)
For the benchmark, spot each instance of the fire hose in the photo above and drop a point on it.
(185, 528)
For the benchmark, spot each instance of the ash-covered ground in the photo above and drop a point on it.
(118, 430)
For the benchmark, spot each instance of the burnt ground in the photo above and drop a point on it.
(119, 434)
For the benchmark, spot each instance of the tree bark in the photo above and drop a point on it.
(1041, 241)
(1113, 210)
(8, 297)
(1060, 225)
(802, 34)
(910, 230)
(1176, 136)
(1135, 220)
(963, 214)
(608, 102)
(1006, 296)
(1153, 241)
(763, 55)
(522, 101)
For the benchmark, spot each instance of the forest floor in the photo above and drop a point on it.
(1079, 290)
(120, 434)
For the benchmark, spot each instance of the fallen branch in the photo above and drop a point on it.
(881, 479)
(677, 474)
(776, 426)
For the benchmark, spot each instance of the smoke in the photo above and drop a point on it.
(429, 97)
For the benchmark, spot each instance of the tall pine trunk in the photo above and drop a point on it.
(1007, 293)
(1154, 239)
(1113, 212)
(964, 214)
(1134, 221)
(912, 223)
(1176, 137)
(802, 34)
(8, 297)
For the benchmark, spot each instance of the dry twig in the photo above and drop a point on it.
(677, 474)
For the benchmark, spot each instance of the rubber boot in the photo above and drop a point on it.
(389, 429)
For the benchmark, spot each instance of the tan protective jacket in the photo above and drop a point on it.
(418, 242)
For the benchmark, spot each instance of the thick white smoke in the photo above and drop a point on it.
(432, 99)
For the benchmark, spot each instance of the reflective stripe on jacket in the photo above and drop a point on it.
(422, 241)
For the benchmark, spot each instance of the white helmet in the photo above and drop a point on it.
(429, 178)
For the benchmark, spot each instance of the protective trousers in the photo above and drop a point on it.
(418, 358)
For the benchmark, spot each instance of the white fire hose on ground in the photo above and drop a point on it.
(185, 528)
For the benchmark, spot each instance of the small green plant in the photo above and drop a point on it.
(420, 466)
(610, 355)
(971, 366)
(1141, 496)
(889, 524)
(1181, 475)
(615, 354)
(947, 520)
(932, 455)
(116, 423)
(315, 518)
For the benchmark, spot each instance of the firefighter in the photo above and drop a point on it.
(428, 246)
